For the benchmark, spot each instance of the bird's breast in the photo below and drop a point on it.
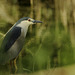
(18, 45)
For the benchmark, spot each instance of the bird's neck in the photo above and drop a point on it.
(24, 28)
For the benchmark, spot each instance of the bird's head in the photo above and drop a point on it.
(28, 21)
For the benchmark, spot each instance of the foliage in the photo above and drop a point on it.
(47, 45)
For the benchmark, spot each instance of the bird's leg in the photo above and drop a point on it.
(15, 65)
(11, 63)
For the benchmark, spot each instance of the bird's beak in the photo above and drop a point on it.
(35, 21)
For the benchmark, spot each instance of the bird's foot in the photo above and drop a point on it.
(15, 66)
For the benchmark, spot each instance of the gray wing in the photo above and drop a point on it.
(10, 38)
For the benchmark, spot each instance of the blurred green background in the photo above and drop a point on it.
(47, 45)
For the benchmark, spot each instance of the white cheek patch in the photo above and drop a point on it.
(26, 22)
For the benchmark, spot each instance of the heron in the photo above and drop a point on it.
(14, 39)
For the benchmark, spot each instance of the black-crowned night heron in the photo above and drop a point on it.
(14, 39)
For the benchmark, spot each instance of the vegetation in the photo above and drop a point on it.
(48, 45)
